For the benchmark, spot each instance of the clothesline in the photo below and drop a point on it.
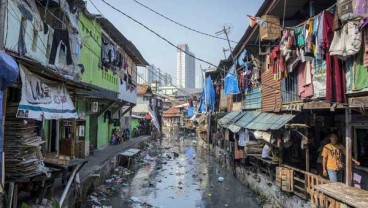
(300, 24)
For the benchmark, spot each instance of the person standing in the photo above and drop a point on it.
(332, 159)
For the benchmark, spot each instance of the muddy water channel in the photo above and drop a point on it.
(175, 172)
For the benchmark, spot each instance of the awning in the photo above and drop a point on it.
(230, 118)
(263, 121)
(234, 128)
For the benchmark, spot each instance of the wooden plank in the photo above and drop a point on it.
(299, 180)
(349, 195)
(300, 188)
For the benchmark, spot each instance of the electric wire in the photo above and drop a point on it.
(180, 24)
(172, 44)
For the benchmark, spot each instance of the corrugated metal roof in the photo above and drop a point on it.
(269, 121)
(248, 117)
(234, 128)
(230, 118)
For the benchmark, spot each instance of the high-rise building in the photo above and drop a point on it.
(185, 67)
(167, 79)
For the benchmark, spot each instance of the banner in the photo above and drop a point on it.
(44, 98)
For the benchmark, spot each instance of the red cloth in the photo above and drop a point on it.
(335, 75)
(305, 90)
(277, 61)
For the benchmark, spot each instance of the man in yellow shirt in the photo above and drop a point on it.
(332, 158)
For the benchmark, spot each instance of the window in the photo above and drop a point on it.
(289, 87)
(361, 146)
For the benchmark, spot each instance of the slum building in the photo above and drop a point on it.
(77, 82)
(299, 74)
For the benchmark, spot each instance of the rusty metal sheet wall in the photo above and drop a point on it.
(271, 93)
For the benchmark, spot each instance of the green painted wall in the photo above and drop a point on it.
(103, 132)
(133, 124)
(91, 54)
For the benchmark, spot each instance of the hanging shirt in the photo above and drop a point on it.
(305, 89)
(266, 150)
(319, 38)
(299, 36)
(335, 75)
(241, 142)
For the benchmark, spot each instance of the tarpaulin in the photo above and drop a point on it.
(231, 82)
(44, 98)
(8, 75)
(208, 97)
(210, 94)
(190, 111)
(202, 106)
(9, 70)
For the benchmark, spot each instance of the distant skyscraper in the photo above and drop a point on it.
(185, 67)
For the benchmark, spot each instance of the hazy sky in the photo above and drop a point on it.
(204, 15)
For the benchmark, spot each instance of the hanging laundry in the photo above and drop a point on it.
(347, 40)
(319, 78)
(361, 73)
(305, 87)
(231, 83)
(241, 142)
(299, 36)
(58, 37)
(345, 10)
(319, 38)
(365, 33)
(335, 78)
(360, 7)
(309, 46)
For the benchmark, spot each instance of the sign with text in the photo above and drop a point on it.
(44, 98)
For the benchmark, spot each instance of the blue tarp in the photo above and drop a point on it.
(202, 106)
(208, 97)
(190, 111)
(231, 82)
(8, 75)
(210, 94)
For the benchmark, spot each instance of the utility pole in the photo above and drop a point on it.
(226, 31)
(224, 50)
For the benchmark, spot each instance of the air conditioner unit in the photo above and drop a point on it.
(94, 107)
